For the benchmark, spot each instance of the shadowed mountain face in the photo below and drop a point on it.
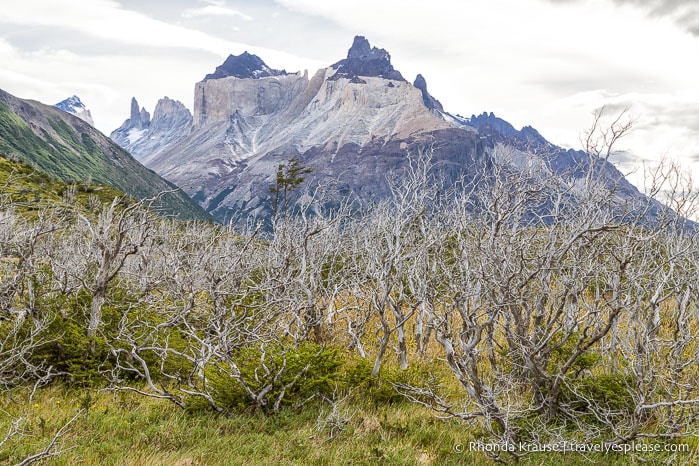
(353, 123)
(66, 147)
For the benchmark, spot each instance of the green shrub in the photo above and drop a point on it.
(562, 353)
(379, 389)
(305, 371)
(68, 349)
(609, 392)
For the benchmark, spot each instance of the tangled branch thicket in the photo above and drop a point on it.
(553, 309)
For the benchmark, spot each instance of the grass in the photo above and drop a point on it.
(128, 429)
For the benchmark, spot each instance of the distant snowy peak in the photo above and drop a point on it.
(75, 106)
(245, 65)
(71, 104)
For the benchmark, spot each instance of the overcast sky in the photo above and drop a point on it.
(545, 63)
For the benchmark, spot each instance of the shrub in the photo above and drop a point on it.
(380, 389)
(292, 374)
(607, 392)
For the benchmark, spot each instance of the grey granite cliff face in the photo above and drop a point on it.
(217, 100)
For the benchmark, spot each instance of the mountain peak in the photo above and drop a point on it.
(170, 114)
(360, 48)
(365, 60)
(488, 120)
(70, 103)
(75, 106)
(245, 65)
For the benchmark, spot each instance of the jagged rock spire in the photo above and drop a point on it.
(139, 119)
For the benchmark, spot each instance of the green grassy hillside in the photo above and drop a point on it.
(29, 190)
(67, 148)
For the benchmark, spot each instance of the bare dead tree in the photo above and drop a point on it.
(388, 248)
(547, 288)
(117, 234)
(305, 258)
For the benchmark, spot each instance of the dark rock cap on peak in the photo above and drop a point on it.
(245, 65)
(364, 60)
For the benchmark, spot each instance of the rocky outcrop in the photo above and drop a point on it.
(170, 114)
(488, 122)
(75, 106)
(133, 128)
(139, 119)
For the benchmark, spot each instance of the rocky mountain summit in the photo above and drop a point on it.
(242, 66)
(354, 123)
(75, 106)
(430, 102)
(363, 60)
(133, 128)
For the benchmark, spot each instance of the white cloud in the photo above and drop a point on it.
(106, 19)
(104, 83)
(214, 10)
